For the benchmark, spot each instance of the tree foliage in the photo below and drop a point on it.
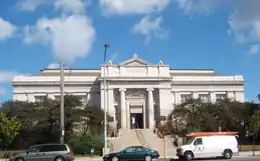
(254, 122)
(40, 121)
(9, 129)
(196, 115)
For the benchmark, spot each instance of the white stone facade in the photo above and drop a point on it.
(133, 87)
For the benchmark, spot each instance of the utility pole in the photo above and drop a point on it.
(61, 103)
(105, 101)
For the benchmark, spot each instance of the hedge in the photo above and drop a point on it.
(249, 148)
(8, 153)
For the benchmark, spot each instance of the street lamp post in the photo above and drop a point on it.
(105, 101)
(61, 103)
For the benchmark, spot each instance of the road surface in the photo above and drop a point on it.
(240, 158)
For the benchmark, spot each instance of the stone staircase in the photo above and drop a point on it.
(127, 137)
(164, 146)
(145, 137)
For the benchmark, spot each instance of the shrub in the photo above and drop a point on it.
(82, 144)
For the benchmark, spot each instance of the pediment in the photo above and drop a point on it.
(135, 61)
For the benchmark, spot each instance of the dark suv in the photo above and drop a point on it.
(45, 152)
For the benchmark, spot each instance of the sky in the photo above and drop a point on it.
(223, 35)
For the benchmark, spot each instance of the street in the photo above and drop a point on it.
(246, 158)
(235, 158)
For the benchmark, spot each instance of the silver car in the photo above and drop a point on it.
(44, 152)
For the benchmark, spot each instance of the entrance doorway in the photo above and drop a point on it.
(137, 121)
(136, 117)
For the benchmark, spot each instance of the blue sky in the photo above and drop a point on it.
(186, 34)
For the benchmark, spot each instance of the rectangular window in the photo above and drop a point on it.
(84, 99)
(50, 148)
(39, 98)
(204, 97)
(221, 96)
(185, 97)
(57, 98)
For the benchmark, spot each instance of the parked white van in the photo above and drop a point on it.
(209, 144)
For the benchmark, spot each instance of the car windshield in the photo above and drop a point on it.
(190, 140)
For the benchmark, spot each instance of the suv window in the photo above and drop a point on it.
(34, 149)
(49, 148)
(198, 141)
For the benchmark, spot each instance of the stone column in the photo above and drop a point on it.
(110, 99)
(195, 95)
(213, 97)
(128, 121)
(144, 116)
(231, 95)
(123, 107)
(150, 108)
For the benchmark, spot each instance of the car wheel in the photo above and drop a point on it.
(227, 154)
(115, 158)
(59, 159)
(188, 156)
(148, 158)
(19, 159)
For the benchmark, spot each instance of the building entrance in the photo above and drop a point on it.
(136, 118)
(137, 121)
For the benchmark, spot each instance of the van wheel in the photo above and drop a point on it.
(19, 159)
(188, 156)
(227, 154)
(59, 159)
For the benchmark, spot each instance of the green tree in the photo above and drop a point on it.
(9, 129)
(196, 115)
(40, 121)
(254, 124)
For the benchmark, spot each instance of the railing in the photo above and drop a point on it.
(141, 138)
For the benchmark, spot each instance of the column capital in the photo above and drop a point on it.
(122, 89)
(149, 89)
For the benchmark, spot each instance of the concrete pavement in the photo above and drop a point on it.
(242, 156)
(235, 158)
(247, 156)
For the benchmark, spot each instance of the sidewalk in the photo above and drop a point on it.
(248, 153)
(240, 154)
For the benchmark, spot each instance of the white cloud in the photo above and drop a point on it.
(67, 6)
(70, 37)
(6, 76)
(149, 28)
(70, 6)
(123, 7)
(2, 91)
(198, 6)
(254, 49)
(29, 5)
(245, 20)
(54, 66)
(6, 29)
